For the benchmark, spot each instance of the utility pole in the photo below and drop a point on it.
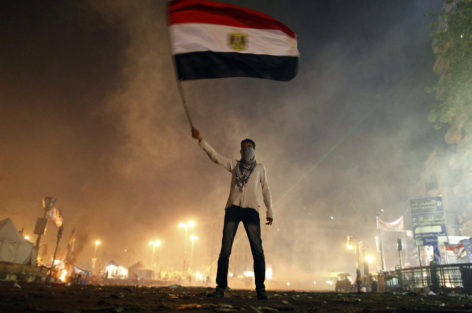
(40, 227)
(382, 257)
(400, 248)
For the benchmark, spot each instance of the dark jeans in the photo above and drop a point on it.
(252, 224)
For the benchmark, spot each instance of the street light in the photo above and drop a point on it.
(369, 258)
(186, 227)
(154, 244)
(354, 244)
(192, 238)
(94, 259)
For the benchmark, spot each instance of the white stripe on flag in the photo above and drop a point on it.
(194, 37)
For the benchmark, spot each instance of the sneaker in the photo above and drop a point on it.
(262, 294)
(219, 293)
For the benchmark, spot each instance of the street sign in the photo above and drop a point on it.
(427, 218)
(40, 226)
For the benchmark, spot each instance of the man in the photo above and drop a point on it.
(242, 206)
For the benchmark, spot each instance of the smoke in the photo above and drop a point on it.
(75, 246)
(108, 136)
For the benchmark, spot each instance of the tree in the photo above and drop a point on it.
(452, 44)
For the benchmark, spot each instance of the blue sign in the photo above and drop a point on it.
(427, 218)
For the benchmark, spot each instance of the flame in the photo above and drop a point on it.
(63, 276)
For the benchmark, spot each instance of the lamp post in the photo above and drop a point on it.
(192, 238)
(94, 259)
(354, 244)
(369, 259)
(154, 244)
(186, 227)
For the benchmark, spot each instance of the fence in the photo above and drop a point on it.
(436, 277)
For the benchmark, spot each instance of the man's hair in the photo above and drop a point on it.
(249, 140)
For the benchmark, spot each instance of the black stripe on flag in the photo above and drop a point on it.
(208, 64)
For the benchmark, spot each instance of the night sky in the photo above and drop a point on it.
(90, 114)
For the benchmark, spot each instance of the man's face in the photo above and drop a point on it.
(247, 151)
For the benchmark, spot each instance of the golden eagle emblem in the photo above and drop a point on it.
(237, 41)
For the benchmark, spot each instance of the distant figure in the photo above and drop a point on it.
(242, 206)
(358, 280)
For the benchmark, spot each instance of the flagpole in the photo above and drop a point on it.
(382, 258)
(179, 82)
(184, 102)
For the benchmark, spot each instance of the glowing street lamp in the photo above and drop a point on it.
(354, 244)
(94, 259)
(349, 241)
(154, 244)
(369, 258)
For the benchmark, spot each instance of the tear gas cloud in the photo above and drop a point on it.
(90, 113)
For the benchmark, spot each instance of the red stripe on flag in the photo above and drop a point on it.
(210, 12)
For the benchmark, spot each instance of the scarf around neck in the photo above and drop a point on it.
(243, 171)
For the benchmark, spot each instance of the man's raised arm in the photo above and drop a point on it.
(227, 163)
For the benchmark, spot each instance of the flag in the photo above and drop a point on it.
(457, 249)
(214, 40)
(55, 215)
(396, 225)
(468, 247)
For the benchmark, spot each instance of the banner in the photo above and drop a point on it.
(433, 241)
(396, 225)
(458, 250)
(55, 215)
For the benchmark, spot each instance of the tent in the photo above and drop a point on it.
(13, 247)
(116, 271)
(138, 271)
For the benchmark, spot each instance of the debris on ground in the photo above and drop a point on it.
(36, 297)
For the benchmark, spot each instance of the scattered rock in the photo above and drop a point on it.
(266, 309)
(189, 306)
(224, 307)
(175, 286)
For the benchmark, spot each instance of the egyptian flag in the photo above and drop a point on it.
(214, 40)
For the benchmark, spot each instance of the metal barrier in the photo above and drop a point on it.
(436, 277)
